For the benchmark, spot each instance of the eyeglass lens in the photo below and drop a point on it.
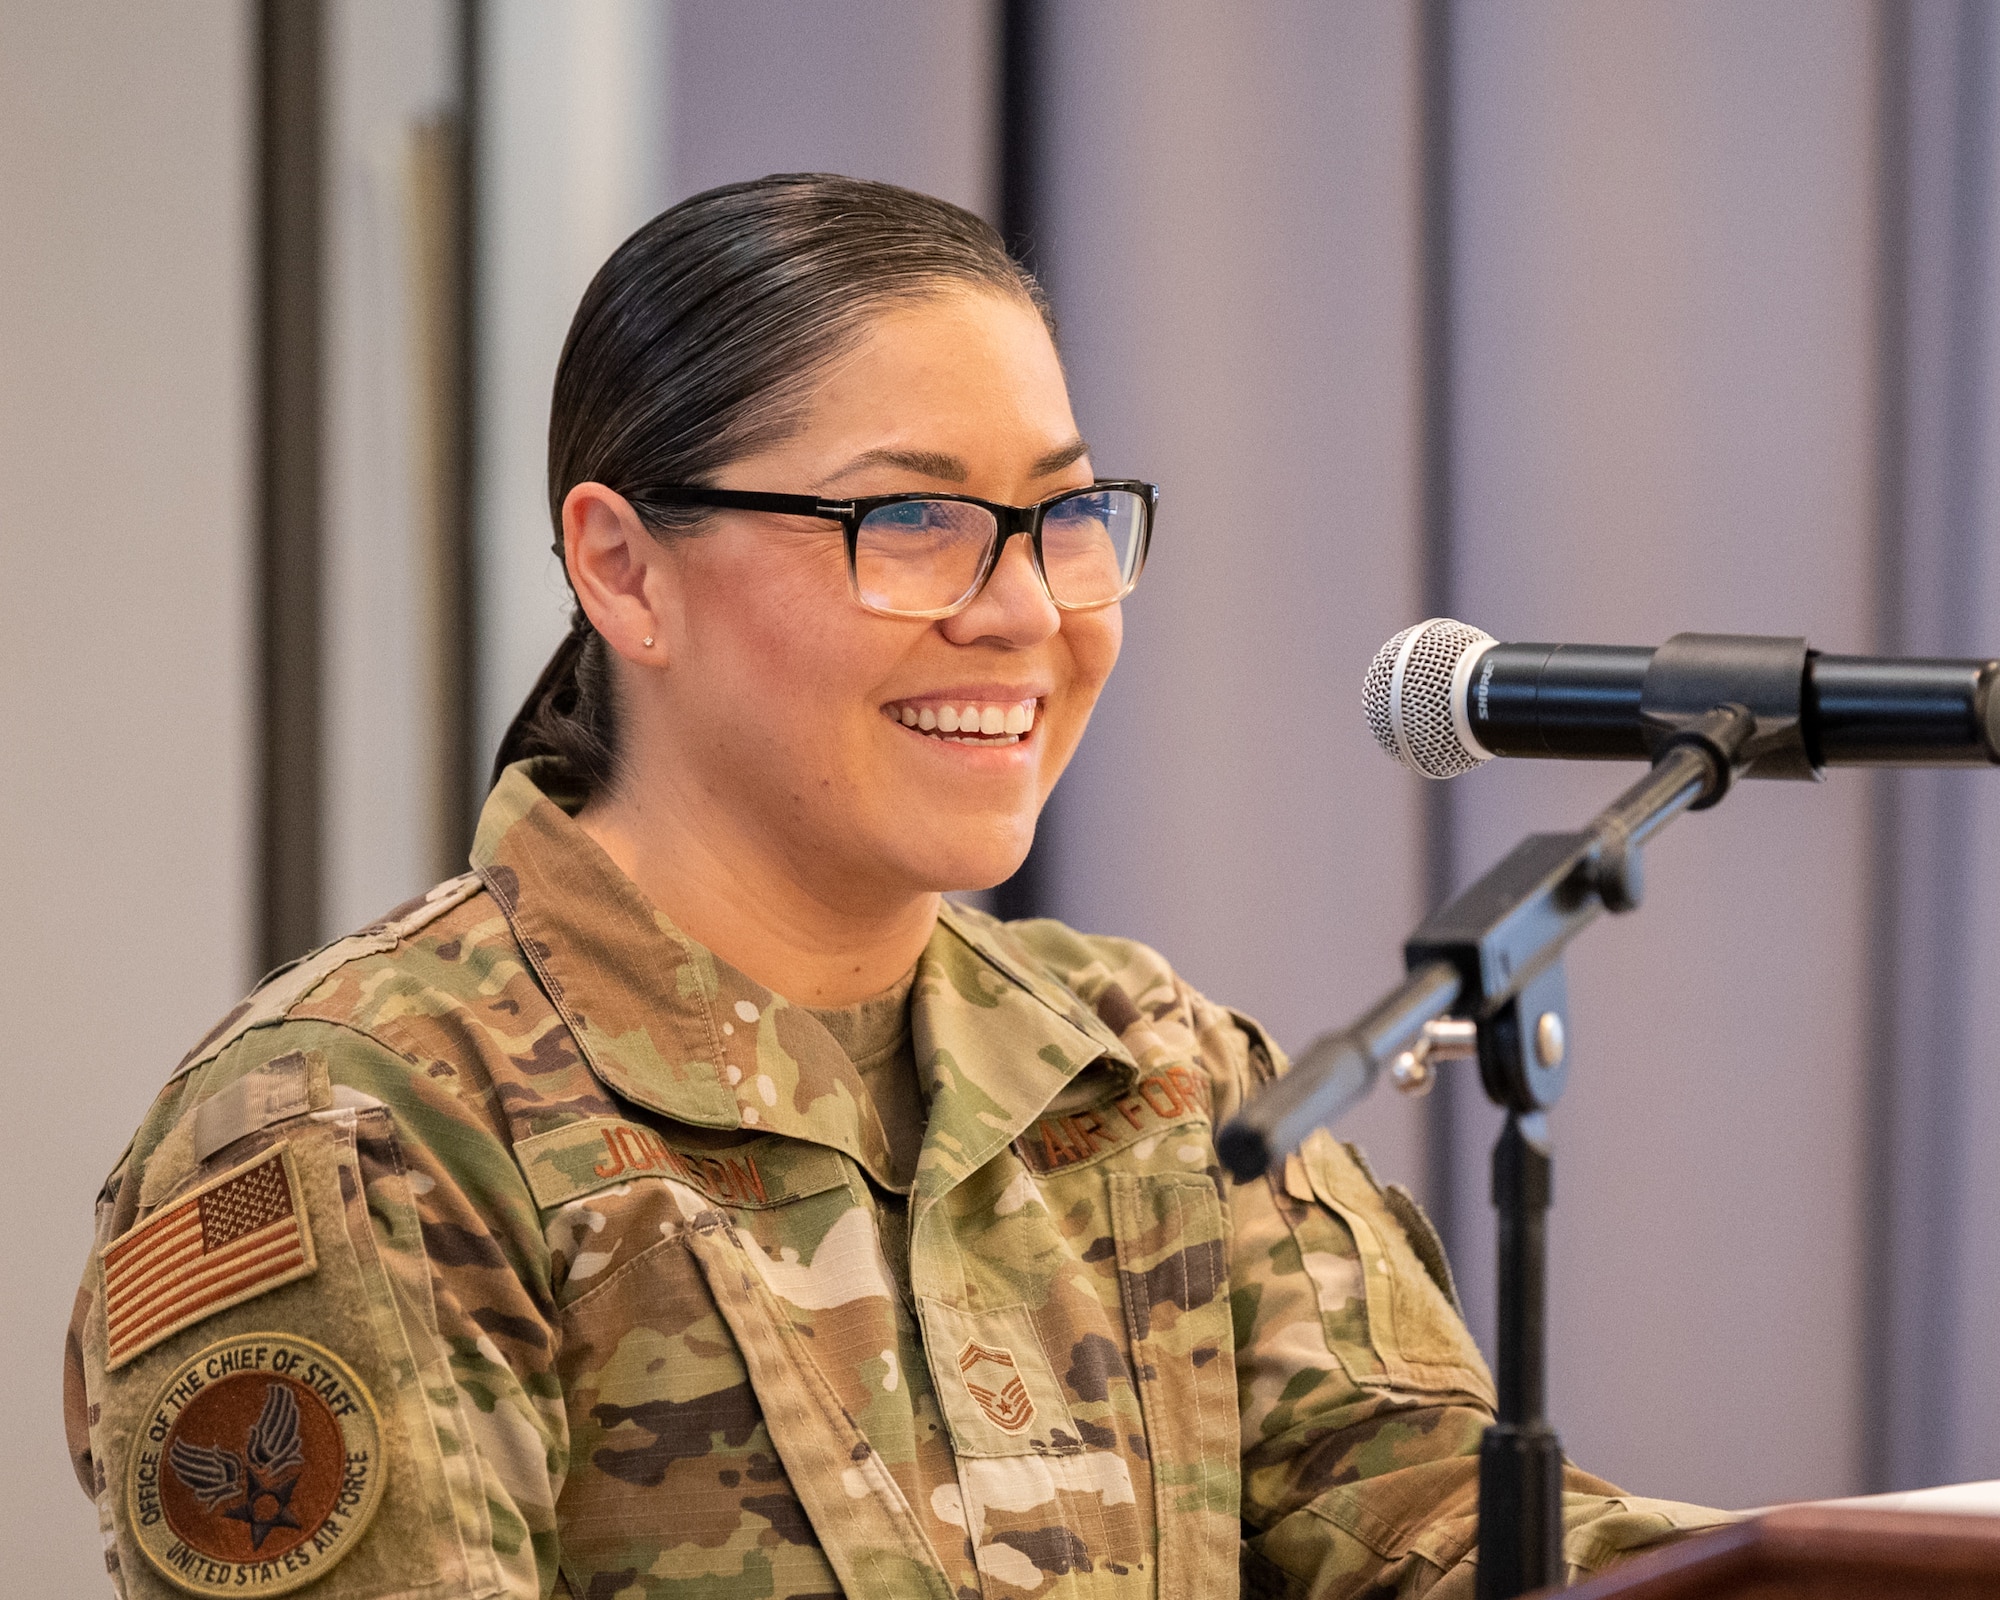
(917, 556)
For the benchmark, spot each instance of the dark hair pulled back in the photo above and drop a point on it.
(697, 344)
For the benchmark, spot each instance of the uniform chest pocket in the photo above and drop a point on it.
(707, 1443)
(1173, 1280)
(1383, 1312)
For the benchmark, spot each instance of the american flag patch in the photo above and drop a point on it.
(230, 1240)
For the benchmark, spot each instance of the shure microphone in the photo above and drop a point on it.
(1442, 697)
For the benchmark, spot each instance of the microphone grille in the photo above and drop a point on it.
(1409, 694)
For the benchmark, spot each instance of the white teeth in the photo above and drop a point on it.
(991, 724)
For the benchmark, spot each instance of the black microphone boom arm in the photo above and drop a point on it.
(1493, 955)
(1473, 956)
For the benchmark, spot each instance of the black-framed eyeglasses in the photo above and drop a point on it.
(929, 555)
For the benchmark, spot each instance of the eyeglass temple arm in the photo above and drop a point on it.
(794, 505)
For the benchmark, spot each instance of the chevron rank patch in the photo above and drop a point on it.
(256, 1467)
(993, 1379)
(234, 1238)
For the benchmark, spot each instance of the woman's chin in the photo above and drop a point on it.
(963, 866)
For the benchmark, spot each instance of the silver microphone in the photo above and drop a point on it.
(1416, 694)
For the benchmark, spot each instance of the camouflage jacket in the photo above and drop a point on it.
(518, 1246)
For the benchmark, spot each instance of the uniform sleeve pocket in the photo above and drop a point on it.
(279, 1426)
(1383, 1309)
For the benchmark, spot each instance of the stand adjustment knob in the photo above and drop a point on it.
(1443, 1039)
(1550, 1041)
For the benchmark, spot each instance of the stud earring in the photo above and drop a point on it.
(647, 641)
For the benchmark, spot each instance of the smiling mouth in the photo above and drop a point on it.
(966, 722)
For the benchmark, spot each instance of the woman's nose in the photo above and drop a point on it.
(1013, 607)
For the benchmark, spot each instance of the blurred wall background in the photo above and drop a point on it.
(1666, 306)
(1580, 322)
(128, 783)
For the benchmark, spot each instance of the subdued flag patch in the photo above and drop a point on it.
(234, 1238)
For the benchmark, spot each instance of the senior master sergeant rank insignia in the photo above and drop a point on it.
(256, 1467)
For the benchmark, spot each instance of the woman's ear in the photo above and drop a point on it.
(620, 572)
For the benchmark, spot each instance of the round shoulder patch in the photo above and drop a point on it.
(256, 1467)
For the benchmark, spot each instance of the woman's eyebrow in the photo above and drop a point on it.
(931, 463)
(1062, 456)
(949, 468)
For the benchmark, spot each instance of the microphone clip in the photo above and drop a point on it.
(1694, 674)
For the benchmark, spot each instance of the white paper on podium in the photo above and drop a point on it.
(1947, 1499)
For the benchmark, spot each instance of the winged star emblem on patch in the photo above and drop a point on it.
(994, 1381)
(258, 1467)
(263, 1478)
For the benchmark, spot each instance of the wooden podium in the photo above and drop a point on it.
(1818, 1552)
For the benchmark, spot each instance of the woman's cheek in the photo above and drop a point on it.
(1094, 639)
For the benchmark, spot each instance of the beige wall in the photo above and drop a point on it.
(872, 88)
(125, 794)
(1666, 406)
(1936, 1306)
(1233, 251)
(391, 68)
(573, 130)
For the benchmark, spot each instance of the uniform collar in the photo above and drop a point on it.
(668, 1025)
(1000, 1039)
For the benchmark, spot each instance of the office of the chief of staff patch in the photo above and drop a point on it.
(256, 1468)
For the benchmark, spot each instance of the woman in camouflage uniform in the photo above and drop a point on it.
(687, 1201)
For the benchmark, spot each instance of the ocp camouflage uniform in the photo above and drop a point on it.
(606, 1234)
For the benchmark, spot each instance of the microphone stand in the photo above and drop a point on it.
(1493, 957)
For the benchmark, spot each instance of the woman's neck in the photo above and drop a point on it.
(754, 909)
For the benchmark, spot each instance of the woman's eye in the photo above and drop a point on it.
(1091, 508)
(911, 514)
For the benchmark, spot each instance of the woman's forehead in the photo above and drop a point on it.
(950, 389)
